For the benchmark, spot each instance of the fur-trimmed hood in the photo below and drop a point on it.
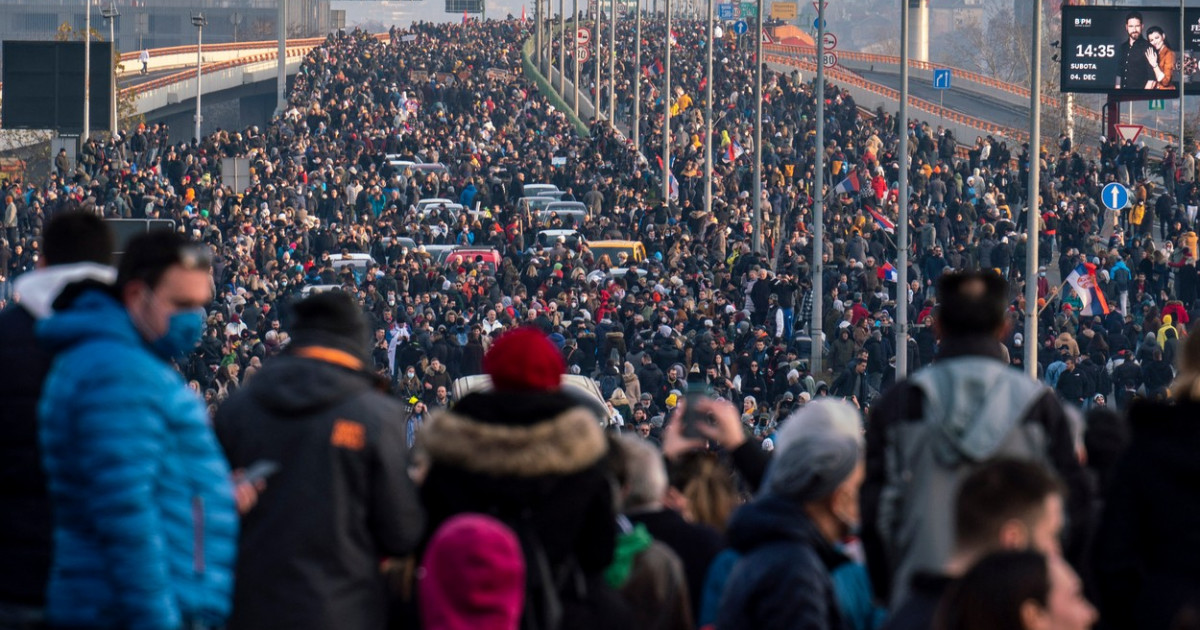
(474, 436)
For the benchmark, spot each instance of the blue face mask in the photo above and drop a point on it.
(183, 333)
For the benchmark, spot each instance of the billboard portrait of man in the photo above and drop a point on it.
(1135, 71)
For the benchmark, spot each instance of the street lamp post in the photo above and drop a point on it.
(612, 60)
(199, 21)
(708, 114)
(87, 72)
(902, 215)
(1035, 175)
(758, 96)
(110, 14)
(575, 53)
(816, 328)
(666, 99)
(637, 77)
(562, 51)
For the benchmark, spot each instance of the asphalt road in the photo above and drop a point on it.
(962, 101)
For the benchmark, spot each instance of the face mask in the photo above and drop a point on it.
(183, 333)
(412, 374)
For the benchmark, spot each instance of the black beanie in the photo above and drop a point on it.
(331, 319)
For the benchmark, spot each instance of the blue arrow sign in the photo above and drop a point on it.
(740, 27)
(941, 78)
(725, 11)
(1114, 196)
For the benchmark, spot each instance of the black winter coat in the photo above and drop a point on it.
(1146, 559)
(309, 551)
(25, 520)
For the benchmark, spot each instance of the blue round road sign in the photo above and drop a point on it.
(1114, 196)
(740, 27)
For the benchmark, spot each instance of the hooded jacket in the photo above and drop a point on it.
(310, 549)
(783, 577)
(982, 408)
(145, 524)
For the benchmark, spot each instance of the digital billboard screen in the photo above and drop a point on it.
(1128, 51)
(43, 85)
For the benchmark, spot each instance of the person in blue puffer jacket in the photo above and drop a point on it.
(145, 522)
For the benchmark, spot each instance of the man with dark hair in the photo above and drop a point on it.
(932, 430)
(1133, 71)
(1006, 504)
(145, 525)
(77, 248)
(342, 499)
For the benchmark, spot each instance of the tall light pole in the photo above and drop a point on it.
(575, 53)
(708, 114)
(902, 220)
(199, 21)
(612, 63)
(110, 14)
(562, 50)
(1182, 79)
(87, 72)
(666, 148)
(757, 241)
(818, 264)
(281, 59)
(636, 124)
(596, 61)
(1035, 175)
(537, 35)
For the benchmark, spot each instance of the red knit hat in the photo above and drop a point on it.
(473, 576)
(524, 360)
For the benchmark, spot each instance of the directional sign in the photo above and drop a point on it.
(749, 9)
(725, 11)
(830, 41)
(829, 59)
(941, 78)
(1157, 104)
(1114, 196)
(583, 35)
(740, 27)
(583, 53)
(1129, 132)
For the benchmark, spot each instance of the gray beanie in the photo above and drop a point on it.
(816, 450)
(812, 468)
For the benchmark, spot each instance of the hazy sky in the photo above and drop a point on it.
(403, 12)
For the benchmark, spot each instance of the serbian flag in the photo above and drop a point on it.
(1083, 280)
(672, 183)
(849, 185)
(658, 67)
(883, 222)
(464, 17)
(522, 14)
(888, 272)
(734, 151)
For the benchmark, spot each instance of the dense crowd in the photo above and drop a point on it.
(442, 111)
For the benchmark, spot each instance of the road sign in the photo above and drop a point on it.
(1129, 132)
(829, 59)
(725, 11)
(830, 41)
(784, 10)
(1114, 196)
(817, 6)
(1157, 104)
(583, 35)
(817, 23)
(740, 27)
(941, 78)
(749, 9)
(583, 53)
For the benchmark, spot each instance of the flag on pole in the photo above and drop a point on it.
(734, 151)
(464, 16)
(888, 272)
(672, 183)
(849, 185)
(522, 14)
(882, 222)
(1083, 280)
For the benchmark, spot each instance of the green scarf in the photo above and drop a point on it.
(629, 545)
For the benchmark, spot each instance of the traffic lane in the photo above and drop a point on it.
(959, 100)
